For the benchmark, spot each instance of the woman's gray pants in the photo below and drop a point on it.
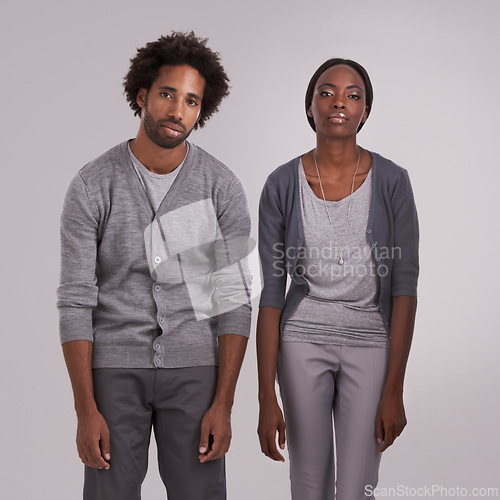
(317, 380)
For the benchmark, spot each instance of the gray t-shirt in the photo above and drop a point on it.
(341, 305)
(156, 185)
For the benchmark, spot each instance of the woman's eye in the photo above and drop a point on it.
(325, 94)
(354, 96)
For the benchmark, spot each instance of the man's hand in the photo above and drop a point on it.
(92, 436)
(271, 421)
(92, 440)
(215, 434)
(216, 424)
(390, 421)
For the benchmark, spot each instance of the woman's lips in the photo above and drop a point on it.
(338, 118)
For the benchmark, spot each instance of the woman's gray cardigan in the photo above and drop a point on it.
(392, 232)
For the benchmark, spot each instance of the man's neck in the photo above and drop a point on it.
(155, 158)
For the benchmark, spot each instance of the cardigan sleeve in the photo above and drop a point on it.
(232, 279)
(77, 293)
(406, 238)
(272, 248)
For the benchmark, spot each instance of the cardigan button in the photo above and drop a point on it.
(369, 231)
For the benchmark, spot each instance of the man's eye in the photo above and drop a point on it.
(165, 94)
(192, 102)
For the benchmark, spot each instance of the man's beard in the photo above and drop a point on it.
(155, 133)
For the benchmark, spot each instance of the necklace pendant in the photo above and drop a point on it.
(341, 260)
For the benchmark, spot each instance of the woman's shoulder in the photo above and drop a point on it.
(385, 170)
(284, 175)
(385, 164)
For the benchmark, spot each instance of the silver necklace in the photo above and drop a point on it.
(340, 247)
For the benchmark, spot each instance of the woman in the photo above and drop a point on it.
(342, 223)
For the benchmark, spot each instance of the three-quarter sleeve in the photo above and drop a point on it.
(272, 249)
(406, 238)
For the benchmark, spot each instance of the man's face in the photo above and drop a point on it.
(171, 107)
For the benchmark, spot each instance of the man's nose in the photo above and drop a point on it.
(176, 109)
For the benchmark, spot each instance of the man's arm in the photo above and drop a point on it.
(217, 420)
(92, 438)
(391, 418)
(77, 296)
(232, 281)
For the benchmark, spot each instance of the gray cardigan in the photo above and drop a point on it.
(392, 232)
(154, 289)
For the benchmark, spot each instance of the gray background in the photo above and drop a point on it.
(435, 71)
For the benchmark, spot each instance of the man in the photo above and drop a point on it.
(154, 299)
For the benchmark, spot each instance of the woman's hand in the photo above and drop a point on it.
(271, 421)
(390, 420)
(270, 415)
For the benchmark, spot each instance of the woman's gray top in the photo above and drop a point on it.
(392, 232)
(341, 306)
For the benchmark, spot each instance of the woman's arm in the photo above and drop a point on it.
(270, 415)
(273, 262)
(391, 418)
(272, 257)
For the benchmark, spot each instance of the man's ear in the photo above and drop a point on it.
(141, 97)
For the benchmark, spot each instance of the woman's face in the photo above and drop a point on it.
(338, 105)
